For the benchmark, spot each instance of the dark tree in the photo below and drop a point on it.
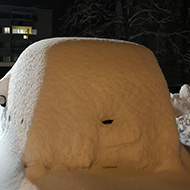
(160, 25)
(89, 18)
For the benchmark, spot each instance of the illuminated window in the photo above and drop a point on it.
(6, 30)
(22, 29)
(25, 37)
(15, 31)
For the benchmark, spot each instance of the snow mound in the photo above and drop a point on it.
(185, 92)
(181, 107)
(181, 101)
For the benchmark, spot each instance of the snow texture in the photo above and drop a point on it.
(181, 101)
(85, 105)
(183, 123)
(181, 107)
(20, 87)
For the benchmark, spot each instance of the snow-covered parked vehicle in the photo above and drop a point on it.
(89, 114)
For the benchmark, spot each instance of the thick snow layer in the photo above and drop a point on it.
(181, 107)
(90, 106)
(20, 87)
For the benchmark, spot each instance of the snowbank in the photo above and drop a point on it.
(181, 101)
(181, 107)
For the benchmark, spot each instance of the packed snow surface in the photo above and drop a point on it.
(88, 114)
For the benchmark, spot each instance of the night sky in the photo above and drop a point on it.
(58, 7)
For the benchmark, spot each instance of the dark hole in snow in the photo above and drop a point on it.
(22, 121)
(47, 167)
(9, 118)
(107, 122)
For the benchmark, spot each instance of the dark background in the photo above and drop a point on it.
(162, 26)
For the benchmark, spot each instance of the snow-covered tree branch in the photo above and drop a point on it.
(159, 25)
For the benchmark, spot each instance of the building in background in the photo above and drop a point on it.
(20, 27)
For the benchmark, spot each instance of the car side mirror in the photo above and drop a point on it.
(2, 100)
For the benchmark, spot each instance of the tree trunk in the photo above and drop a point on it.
(120, 26)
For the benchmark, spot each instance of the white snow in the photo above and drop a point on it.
(181, 101)
(58, 94)
(20, 86)
(181, 106)
(183, 123)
